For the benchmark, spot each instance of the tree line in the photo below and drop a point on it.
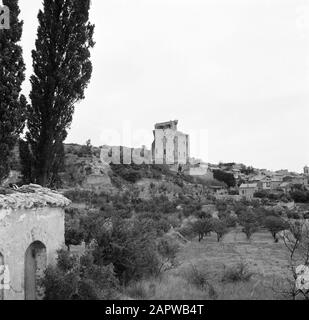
(61, 72)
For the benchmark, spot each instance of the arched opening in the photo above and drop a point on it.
(2, 270)
(35, 265)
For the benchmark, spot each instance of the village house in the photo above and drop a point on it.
(247, 190)
(275, 182)
(31, 233)
(297, 179)
(264, 184)
(286, 187)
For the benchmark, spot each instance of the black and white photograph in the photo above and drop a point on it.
(154, 151)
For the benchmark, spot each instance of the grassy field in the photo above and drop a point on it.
(203, 265)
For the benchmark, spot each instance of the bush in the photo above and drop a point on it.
(79, 195)
(293, 215)
(129, 173)
(74, 233)
(197, 278)
(238, 273)
(300, 196)
(130, 247)
(137, 291)
(154, 223)
(74, 279)
(231, 222)
(168, 249)
(192, 208)
(225, 177)
(262, 194)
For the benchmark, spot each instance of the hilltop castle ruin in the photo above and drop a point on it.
(170, 145)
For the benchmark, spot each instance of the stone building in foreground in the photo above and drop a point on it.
(31, 233)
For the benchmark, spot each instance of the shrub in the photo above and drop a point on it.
(168, 249)
(192, 208)
(74, 279)
(300, 196)
(293, 215)
(262, 194)
(130, 247)
(231, 222)
(79, 195)
(137, 291)
(225, 177)
(74, 233)
(154, 223)
(129, 173)
(197, 278)
(238, 273)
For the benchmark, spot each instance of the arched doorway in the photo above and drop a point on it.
(35, 265)
(2, 270)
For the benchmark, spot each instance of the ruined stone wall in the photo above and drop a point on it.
(171, 147)
(182, 148)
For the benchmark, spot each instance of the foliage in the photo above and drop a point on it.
(220, 228)
(137, 291)
(85, 150)
(225, 177)
(74, 279)
(168, 249)
(25, 158)
(202, 227)
(12, 75)
(130, 173)
(230, 221)
(275, 225)
(201, 281)
(249, 223)
(247, 170)
(62, 71)
(300, 196)
(129, 246)
(293, 215)
(74, 233)
(192, 208)
(159, 204)
(197, 277)
(238, 273)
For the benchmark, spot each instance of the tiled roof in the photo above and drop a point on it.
(32, 196)
(248, 185)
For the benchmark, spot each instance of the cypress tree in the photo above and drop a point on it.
(62, 71)
(12, 103)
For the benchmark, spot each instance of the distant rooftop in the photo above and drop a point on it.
(248, 185)
(32, 196)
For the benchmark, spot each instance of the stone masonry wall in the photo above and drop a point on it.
(31, 215)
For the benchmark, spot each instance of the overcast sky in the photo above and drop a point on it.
(234, 73)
